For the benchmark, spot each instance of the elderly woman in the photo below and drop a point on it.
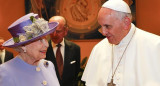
(29, 68)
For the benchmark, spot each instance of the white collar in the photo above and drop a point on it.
(1, 51)
(127, 38)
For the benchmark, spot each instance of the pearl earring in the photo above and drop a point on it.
(24, 50)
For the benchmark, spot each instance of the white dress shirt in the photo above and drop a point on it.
(62, 48)
(2, 55)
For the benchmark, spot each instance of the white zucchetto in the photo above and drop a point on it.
(117, 5)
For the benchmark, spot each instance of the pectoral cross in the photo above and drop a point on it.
(111, 83)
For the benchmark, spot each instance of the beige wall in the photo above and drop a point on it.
(147, 18)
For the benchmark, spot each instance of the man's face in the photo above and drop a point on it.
(1, 42)
(58, 35)
(61, 30)
(112, 27)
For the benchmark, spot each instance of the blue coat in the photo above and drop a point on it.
(16, 72)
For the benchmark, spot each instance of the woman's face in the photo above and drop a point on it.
(37, 49)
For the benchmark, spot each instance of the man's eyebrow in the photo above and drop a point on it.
(106, 25)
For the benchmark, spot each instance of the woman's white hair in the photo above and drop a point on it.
(18, 49)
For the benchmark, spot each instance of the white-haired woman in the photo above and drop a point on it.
(29, 68)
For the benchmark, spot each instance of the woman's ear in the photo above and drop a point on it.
(24, 49)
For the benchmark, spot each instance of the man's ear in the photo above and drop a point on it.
(66, 30)
(127, 22)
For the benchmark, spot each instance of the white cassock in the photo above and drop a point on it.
(140, 65)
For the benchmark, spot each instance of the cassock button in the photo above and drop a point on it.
(44, 82)
(38, 69)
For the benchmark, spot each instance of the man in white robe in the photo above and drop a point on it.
(128, 55)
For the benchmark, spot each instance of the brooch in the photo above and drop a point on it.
(46, 64)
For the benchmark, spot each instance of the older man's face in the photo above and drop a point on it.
(60, 32)
(1, 42)
(112, 27)
(58, 35)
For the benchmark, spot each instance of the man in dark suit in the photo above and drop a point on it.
(70, 54)
(4, 54)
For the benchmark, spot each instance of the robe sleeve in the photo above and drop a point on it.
(88, 66)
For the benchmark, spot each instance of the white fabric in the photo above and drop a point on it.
(2, 55)
(139, 66)
(117, 5)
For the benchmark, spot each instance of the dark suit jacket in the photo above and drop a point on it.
(70, 71)
(8, 56)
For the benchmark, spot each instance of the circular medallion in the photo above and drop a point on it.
(81, 15)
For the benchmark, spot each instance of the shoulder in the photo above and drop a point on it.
(102, 47)
(146, 34)
(6, 76)
(147, 37)
(4, 70)
(8, 65)
(3, 67)
(46, 64)
(70, 44)
(103, 43)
